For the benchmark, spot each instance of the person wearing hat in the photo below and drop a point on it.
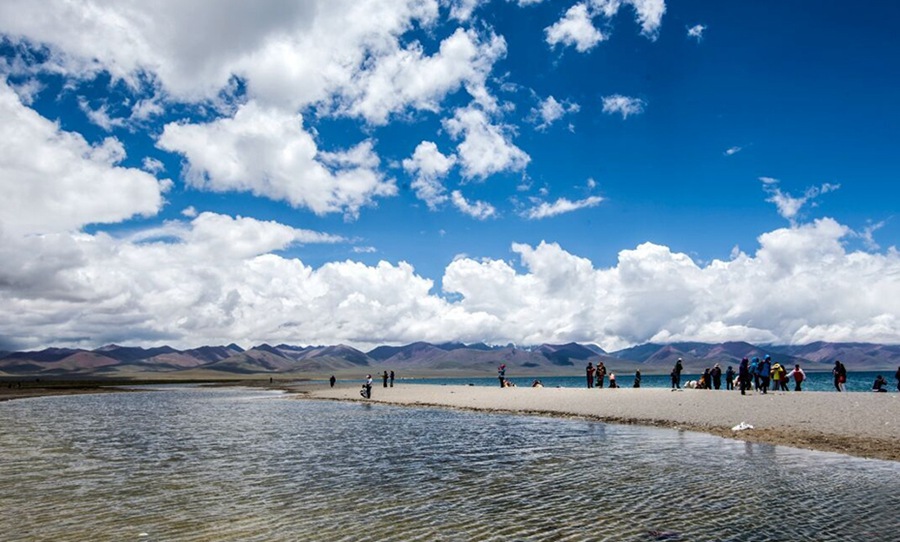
(676, 374)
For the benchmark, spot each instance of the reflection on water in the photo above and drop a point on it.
(205, 464)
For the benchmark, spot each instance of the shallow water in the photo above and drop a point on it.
(213, 464)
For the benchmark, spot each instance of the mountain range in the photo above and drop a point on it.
(426, 359)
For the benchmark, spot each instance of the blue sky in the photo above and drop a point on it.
(388, 171)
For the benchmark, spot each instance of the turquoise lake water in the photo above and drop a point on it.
(856, 381)
(205, 464)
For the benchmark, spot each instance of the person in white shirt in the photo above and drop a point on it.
(798, 375)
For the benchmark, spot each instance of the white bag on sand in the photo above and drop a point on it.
(742, 426)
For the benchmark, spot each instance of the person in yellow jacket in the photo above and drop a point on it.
(778, 377)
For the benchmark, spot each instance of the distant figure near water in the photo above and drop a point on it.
(879, 384)
(589, 370)
(897, 376)
(840, 375)
(384, 378)
(729, 378)
(744, 376)
(367, 388)
(637, 379)
(601, 374)
(676, 374)
(501, 374)
(799, 376)
(392, 379)
(716, 374)
(332, 380)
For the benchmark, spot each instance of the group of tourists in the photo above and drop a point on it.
(596, 376)
(763, 374)
(758, 374)
(366, 391)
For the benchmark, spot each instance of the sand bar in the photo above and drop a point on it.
(860, 424)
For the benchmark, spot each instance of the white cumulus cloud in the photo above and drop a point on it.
(560, 206)
(551, 110)
(696, 32)
(789, 206)
(266, 152)
(486, 148)
(429, 167)
(480, 210)
(576, 29)
(53, 180)
(157, 287)
(623, 105)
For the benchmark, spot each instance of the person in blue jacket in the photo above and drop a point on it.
(764, 368)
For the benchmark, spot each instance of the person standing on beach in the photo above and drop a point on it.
(501, 374)
(744, 376)
(778, 377)
(716, 374)
(589, 371)
(754, 372)
(368, 386)
(384, 378)
(676, 374)
(392, 379)
(840, 375)
(637, 379)
(332, 380)
(799, 377)
(897, 376)
(601, 374)
(729, 379)
(765, 368)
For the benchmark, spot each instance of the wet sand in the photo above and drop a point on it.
(860, 424)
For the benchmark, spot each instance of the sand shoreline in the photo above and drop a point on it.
(859, 424)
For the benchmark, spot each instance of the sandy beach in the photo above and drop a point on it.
(859, 424)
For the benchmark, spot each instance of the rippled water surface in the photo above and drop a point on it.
(214, 464)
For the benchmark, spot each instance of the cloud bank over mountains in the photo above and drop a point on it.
(216, 279)
(255, 77)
